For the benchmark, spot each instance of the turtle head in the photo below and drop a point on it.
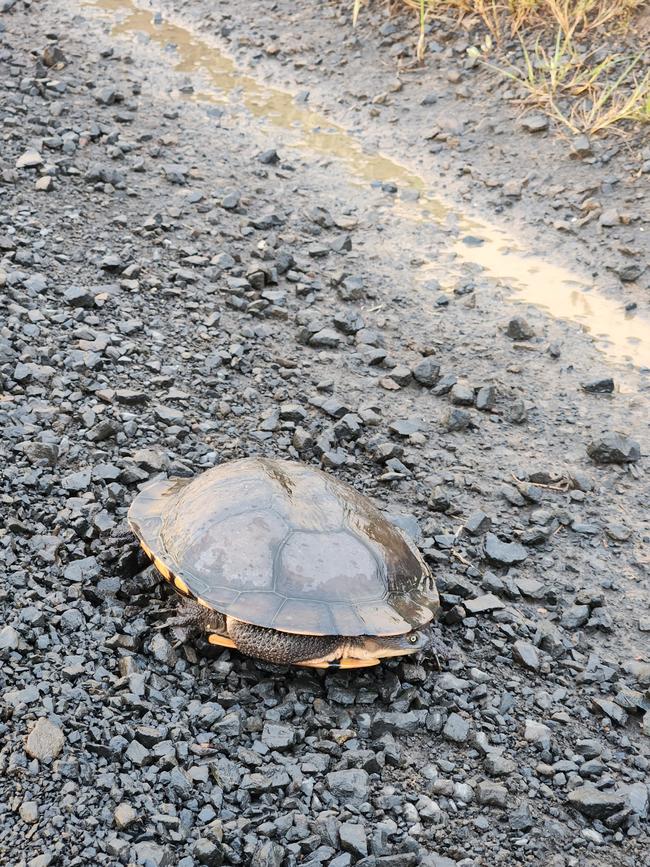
(379, 646)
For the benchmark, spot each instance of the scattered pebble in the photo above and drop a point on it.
(520, 329)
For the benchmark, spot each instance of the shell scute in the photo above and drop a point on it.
(237, 552)
(333, 567)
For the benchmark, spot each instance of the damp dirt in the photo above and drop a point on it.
(623, 336)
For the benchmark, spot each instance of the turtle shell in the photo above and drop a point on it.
(286, 546)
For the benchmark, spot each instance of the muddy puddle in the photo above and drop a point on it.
(622, 336)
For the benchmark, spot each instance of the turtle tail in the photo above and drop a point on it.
(283, 648)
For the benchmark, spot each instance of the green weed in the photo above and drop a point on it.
(583, 93)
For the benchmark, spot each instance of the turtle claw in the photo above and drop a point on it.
(189, 622)
(180, 629)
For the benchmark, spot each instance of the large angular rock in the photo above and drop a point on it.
(208, 852)
(394, 721)
(456, 728)
(9, 639)
(538, 733)
(350, 787)
(595, 803)
(526, 654)
(492, 794)
(613, 447)
(278, 737)
(503, 553)
(268, 854)
(353, 839)
(426, 372)
(487, 602)
(124, 815)
(31, 159)
(45, 741)
(153, 854)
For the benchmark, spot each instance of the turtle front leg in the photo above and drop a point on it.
(193, 619)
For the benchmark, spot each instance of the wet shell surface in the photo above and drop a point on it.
(286, 546)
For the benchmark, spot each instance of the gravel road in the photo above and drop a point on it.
(197, 264)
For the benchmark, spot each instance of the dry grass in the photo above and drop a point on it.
(585, 89)
(504, 17)
(582, 93)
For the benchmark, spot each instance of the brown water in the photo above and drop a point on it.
(621, 336)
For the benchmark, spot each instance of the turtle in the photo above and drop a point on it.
(286, 563)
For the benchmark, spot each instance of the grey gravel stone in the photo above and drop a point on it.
(9, 639)
(498, 766)
(575, 616)
(353, 839)
(31, 159)
(278, 737)
(268, 854)
(152, 854)
(520, 329)
(538, 733)
(350, 787)
(426, 372)
(599, 385)
(478, 523)
(618, 532)
(504, 553)
(487, 602)
(28, 812)
(456, 728)
(492, 794)
(457, 420)
(462, 394)
(595, 803)
(486, 398)
(610, 709)
(535, 123)
(394, 722)
(45, 741)
(124, 815)
(526, 654)
(208, 852)
(326, 337)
